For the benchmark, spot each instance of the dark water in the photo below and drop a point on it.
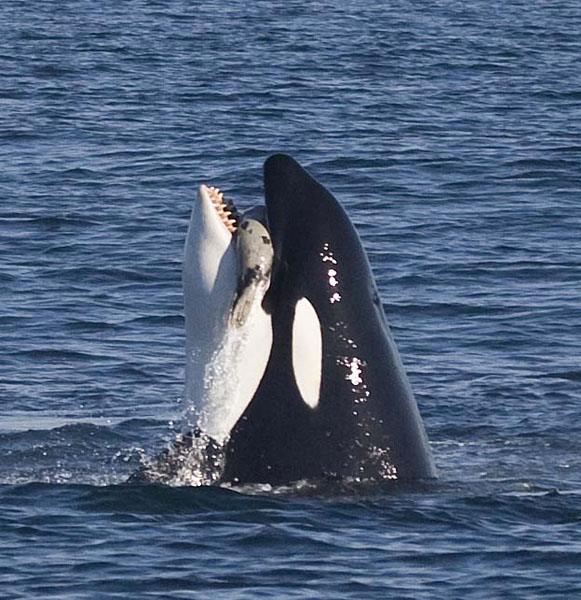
(451, 132)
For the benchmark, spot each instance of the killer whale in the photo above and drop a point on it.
(291, 367)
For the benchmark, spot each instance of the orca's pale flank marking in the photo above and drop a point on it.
(307, 352)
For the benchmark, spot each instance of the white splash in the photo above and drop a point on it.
(232, 375)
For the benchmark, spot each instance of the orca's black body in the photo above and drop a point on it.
(366, 425)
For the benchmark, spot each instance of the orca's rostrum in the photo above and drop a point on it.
(291, 366)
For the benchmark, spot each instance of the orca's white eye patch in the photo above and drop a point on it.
(307, 352)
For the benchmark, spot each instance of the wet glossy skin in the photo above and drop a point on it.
(367, 424)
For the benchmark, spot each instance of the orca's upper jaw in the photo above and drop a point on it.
(301, 213)
(287, 189)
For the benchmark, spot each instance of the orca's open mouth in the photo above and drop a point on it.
(225, 209)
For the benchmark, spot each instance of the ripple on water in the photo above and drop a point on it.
(449, 132)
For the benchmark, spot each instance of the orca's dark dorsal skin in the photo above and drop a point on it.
(366, 425)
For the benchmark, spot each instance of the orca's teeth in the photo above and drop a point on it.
(225, 209)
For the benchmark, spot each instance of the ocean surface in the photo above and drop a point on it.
(451, 133)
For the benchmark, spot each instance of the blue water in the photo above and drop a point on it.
(451, 133)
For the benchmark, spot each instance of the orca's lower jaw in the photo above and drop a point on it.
(224, 363)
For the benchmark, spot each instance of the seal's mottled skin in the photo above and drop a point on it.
(254, 255)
